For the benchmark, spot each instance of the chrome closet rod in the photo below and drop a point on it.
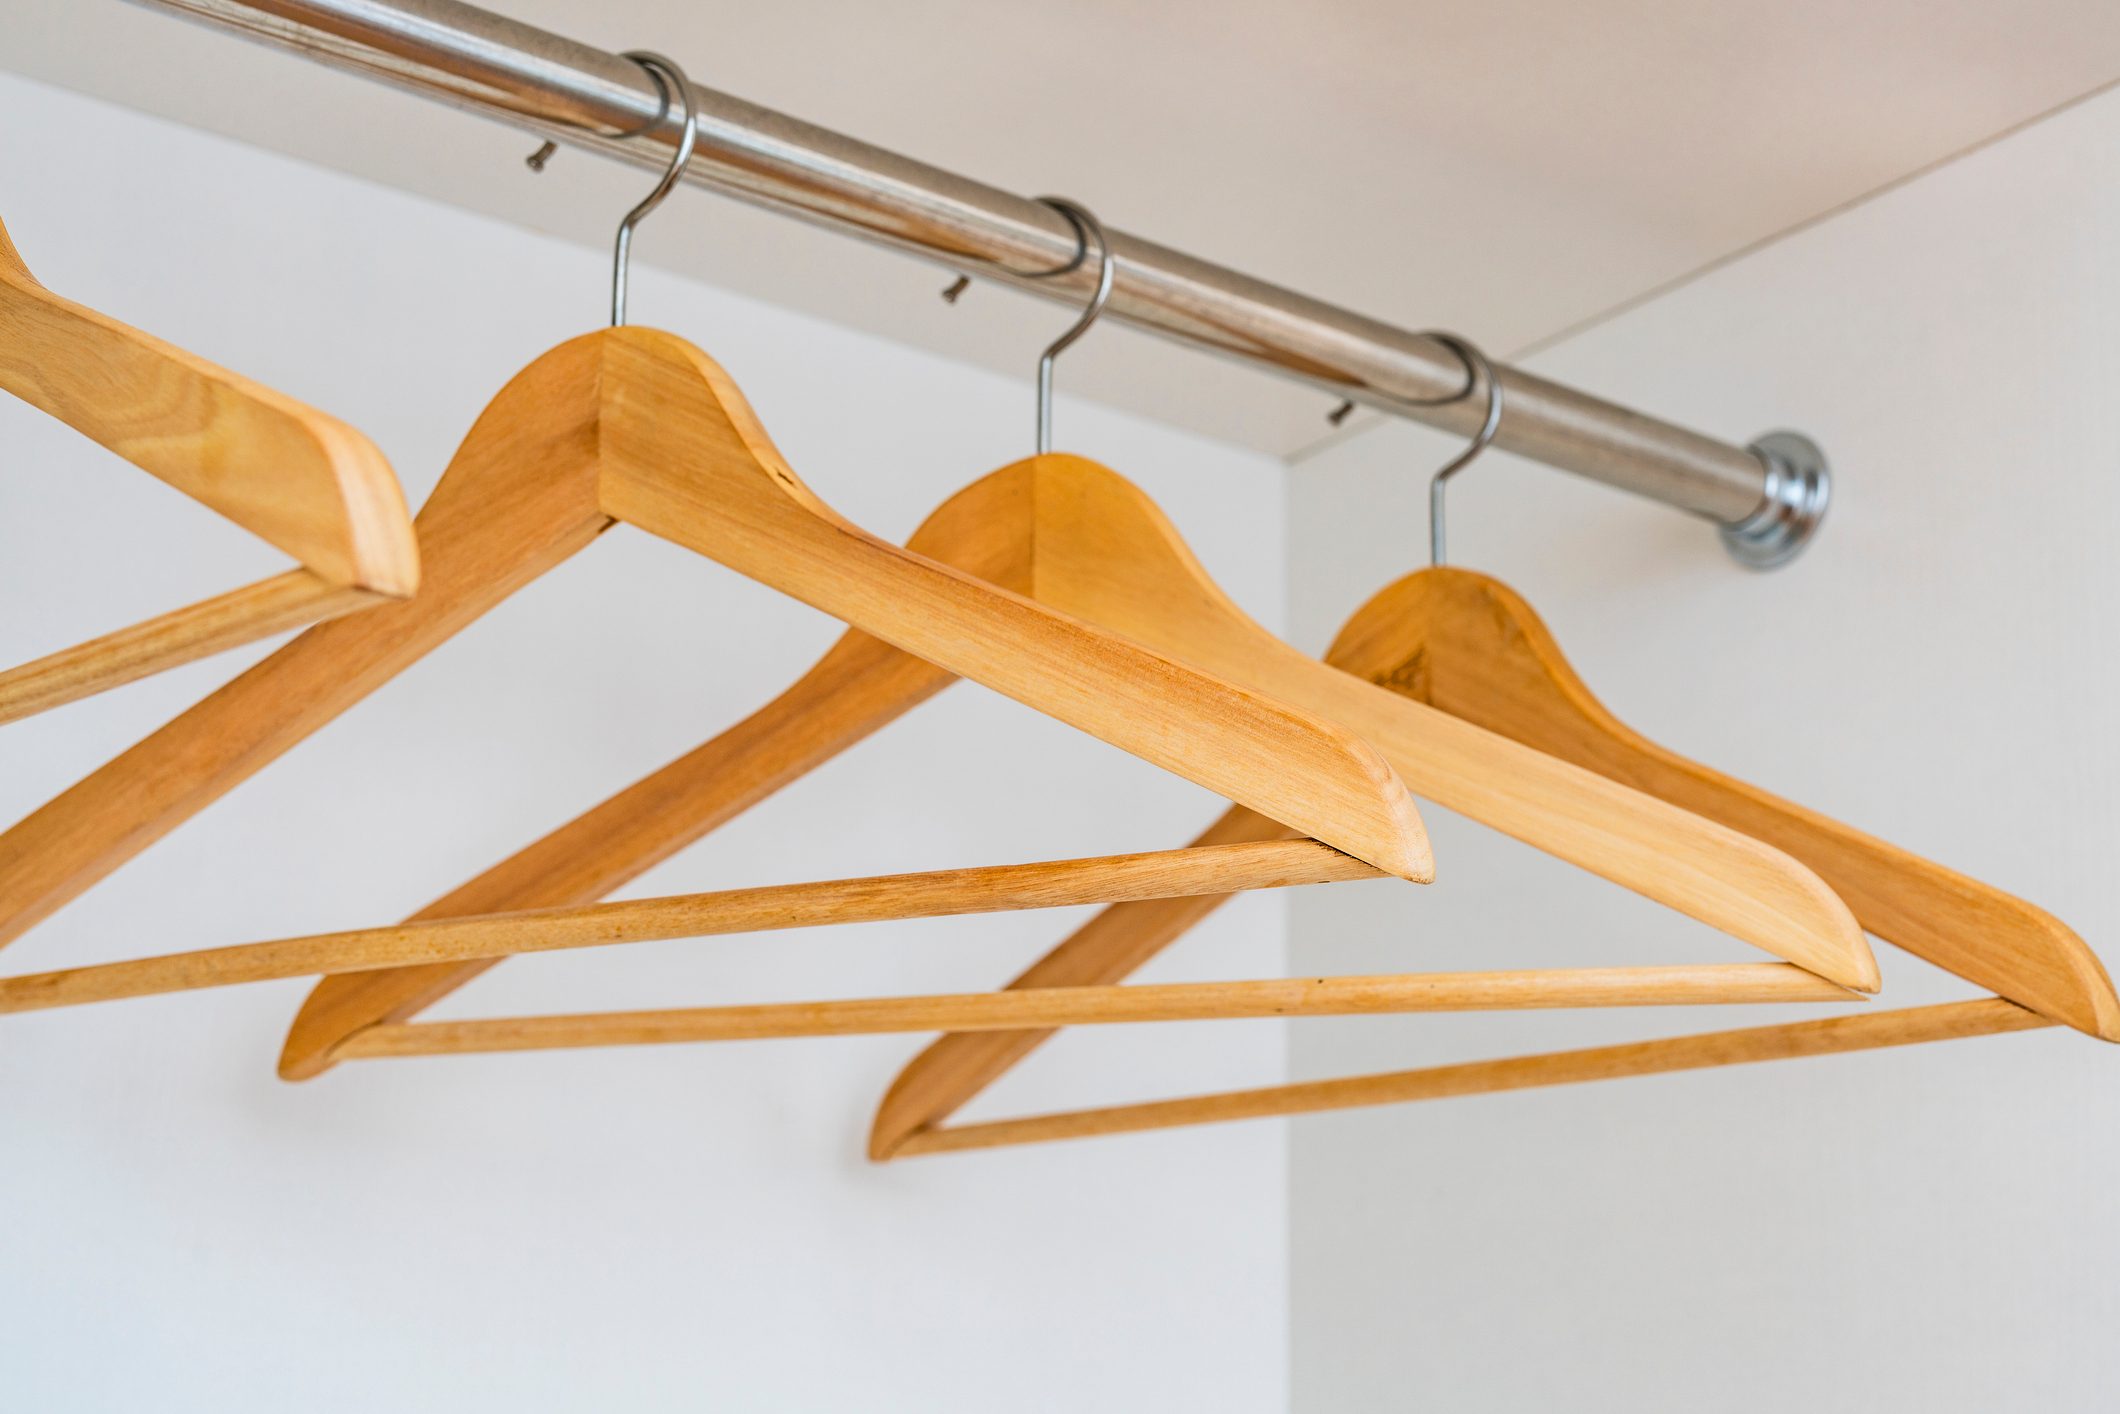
(1766, 496)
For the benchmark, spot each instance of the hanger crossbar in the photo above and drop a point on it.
(1172, 873)
(200, 630)
(1277, 998)
(1836, 1035)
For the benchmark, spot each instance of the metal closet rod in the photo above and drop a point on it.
(1767, 497)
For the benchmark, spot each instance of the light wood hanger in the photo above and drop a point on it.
(298, 479)
(630, 424)
(1473, 647)
(1077, 536)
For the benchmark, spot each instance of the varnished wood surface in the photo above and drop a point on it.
(1057, 528)
(518, 497)
(976, 1012)
(858, 687)
(286, 601)
(1469, 643)
(1833, 1036)
(935, 894)
(1100, 540)
(596, 426)
(1475, 649)
(297, 478)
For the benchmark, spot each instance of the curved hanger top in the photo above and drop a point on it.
(1474, 648)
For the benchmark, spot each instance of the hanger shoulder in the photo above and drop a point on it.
(684, 458)
(859, 686)
(1091, 520)
(518, 497)
(1474, 648)
(295, 477)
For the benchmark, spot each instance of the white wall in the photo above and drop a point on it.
(677, 1228)
(1931, 1228)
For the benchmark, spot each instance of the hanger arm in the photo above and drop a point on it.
(1093, 526)
(295, 477)
(1475, 649)
(1832, 1036)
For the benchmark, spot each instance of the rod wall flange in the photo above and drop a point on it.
(1799, 484)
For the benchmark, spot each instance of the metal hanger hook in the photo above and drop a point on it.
(668, 77)
(1087, 227)
(1477, 370)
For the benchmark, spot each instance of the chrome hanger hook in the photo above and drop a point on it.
(1087, 227)
(1477, 370)
(667, 76)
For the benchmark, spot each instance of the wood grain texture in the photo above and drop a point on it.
(635, 423)
(977, 1012)
(1099, 541)
(684, 458)
(518, 497)
(293, 476)
(1035, 522)
(1475, 649)
(985, 533)
(860, 685)
(1834, 1036)
(245, 615)
(935, 894)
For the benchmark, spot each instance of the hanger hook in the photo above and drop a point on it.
(1087, 227)
(1477, 370)
(668, 76)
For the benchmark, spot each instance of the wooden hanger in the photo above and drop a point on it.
(630, 424)
(1077, 536)
(1473, 647)
(300, 480)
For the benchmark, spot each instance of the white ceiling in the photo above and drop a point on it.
(1506, 168)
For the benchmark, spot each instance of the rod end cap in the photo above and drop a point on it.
(1799, 485)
